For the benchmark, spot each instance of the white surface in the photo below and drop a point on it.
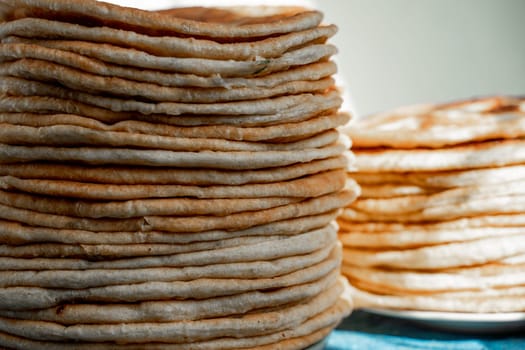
(460, 322)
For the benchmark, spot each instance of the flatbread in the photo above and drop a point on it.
(238, 160)
(123, 56)
(413, 283)
(393, 191)
(177, 331)
(176, 310)
(469, 253)
(166, 45)
(312, 71)
(14, 233)
(112, 251)
(486, 221)
(412, 237)
(265, 106)
(233, 22)
(475, 302)
(165, 175)
(284, 132)
(244, 220)
(457, 196)
(310, 186)
(312, 106)
(505, 204)
(68, 135)
(266, 250)
(294, 339)
(475, 155)
(27, 298)
(438, 126)
(77, 80)
(81, 279)
(141, 207)
(443, 179)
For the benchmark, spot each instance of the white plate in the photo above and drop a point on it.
(460, 322)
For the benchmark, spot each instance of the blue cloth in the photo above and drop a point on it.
(367, 331)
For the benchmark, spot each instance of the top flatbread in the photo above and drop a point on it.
(239, 22)
(443, 125)
(167, 45)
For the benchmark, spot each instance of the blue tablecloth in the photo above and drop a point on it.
(366, 331)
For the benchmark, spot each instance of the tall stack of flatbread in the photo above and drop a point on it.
(440, 224)
(169, 180)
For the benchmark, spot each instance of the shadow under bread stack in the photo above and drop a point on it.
(440, 224)
(169, 180)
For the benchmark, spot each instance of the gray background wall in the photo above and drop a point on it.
(398, 52)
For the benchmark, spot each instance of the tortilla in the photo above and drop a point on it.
(266, 250)
(112, 251)
(310, 186)
(457, 196)
(297, 338)
(166, 46)
(177, 331)
(504, 204)
(438, 126)
(285, 132)
(67, 135)
(475, 302)
(413, 237)
(77, 80)
(394, 191)
(265, 106)
(239, 221)
(143, 175)
(123, 56)
(26, 298)
(141, 207)
(176, 310)
(409, 282)
(444, 179)
(474, 155)
(238, 160)
(232, 22)
(14, 233)
(449, 255)
(312, 71)
(81, 279)
(312, 106)
(490, 221)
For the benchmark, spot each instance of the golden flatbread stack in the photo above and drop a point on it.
(169, 180)
(440, 224)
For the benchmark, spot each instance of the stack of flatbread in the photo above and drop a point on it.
(169, 180)
(440, 224)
